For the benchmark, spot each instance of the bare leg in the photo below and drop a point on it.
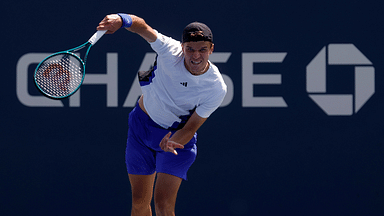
(142, 191)
(166, 190)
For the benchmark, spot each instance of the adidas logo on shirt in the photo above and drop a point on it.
(184, 84)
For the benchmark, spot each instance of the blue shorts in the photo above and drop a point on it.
(143, 155)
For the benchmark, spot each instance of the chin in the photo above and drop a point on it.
(196, 70)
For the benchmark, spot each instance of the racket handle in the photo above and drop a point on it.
(95, 37)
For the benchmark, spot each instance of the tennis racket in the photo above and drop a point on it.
(61, 74)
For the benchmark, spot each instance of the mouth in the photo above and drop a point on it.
(196, 62)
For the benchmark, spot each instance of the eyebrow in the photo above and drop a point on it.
(204, 47)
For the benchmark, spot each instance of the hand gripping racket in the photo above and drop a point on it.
(61, 74)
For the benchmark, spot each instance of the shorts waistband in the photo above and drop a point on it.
(142, 115)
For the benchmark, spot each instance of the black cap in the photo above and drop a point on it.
(197, 32)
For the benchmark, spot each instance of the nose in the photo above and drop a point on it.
(196, 54)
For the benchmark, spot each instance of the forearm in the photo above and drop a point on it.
(182, 136)
(114, 22)
(140, 27)
(185, 134)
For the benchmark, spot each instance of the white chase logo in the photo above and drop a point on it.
(331, 104)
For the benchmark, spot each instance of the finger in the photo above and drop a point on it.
(100, 27)
(164, 141)
(173, 145)
(176, 145)
(168, 135)
(103, 21)
(103, 26)
(172, 150)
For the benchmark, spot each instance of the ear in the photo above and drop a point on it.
(212, 48)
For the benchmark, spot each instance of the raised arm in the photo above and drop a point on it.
(114, 22)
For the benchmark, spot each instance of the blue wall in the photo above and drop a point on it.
(299, 157)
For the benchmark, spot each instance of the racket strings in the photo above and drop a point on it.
(59, 75)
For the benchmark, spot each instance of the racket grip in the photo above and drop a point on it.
(95, 37)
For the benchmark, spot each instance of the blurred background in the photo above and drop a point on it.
(270, 149)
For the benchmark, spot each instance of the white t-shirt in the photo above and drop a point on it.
(172, 93)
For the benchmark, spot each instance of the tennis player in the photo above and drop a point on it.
(179, 93)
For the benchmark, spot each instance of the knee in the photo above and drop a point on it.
(140, 202)
(164, 208)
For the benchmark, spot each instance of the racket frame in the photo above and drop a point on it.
(90, 42)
